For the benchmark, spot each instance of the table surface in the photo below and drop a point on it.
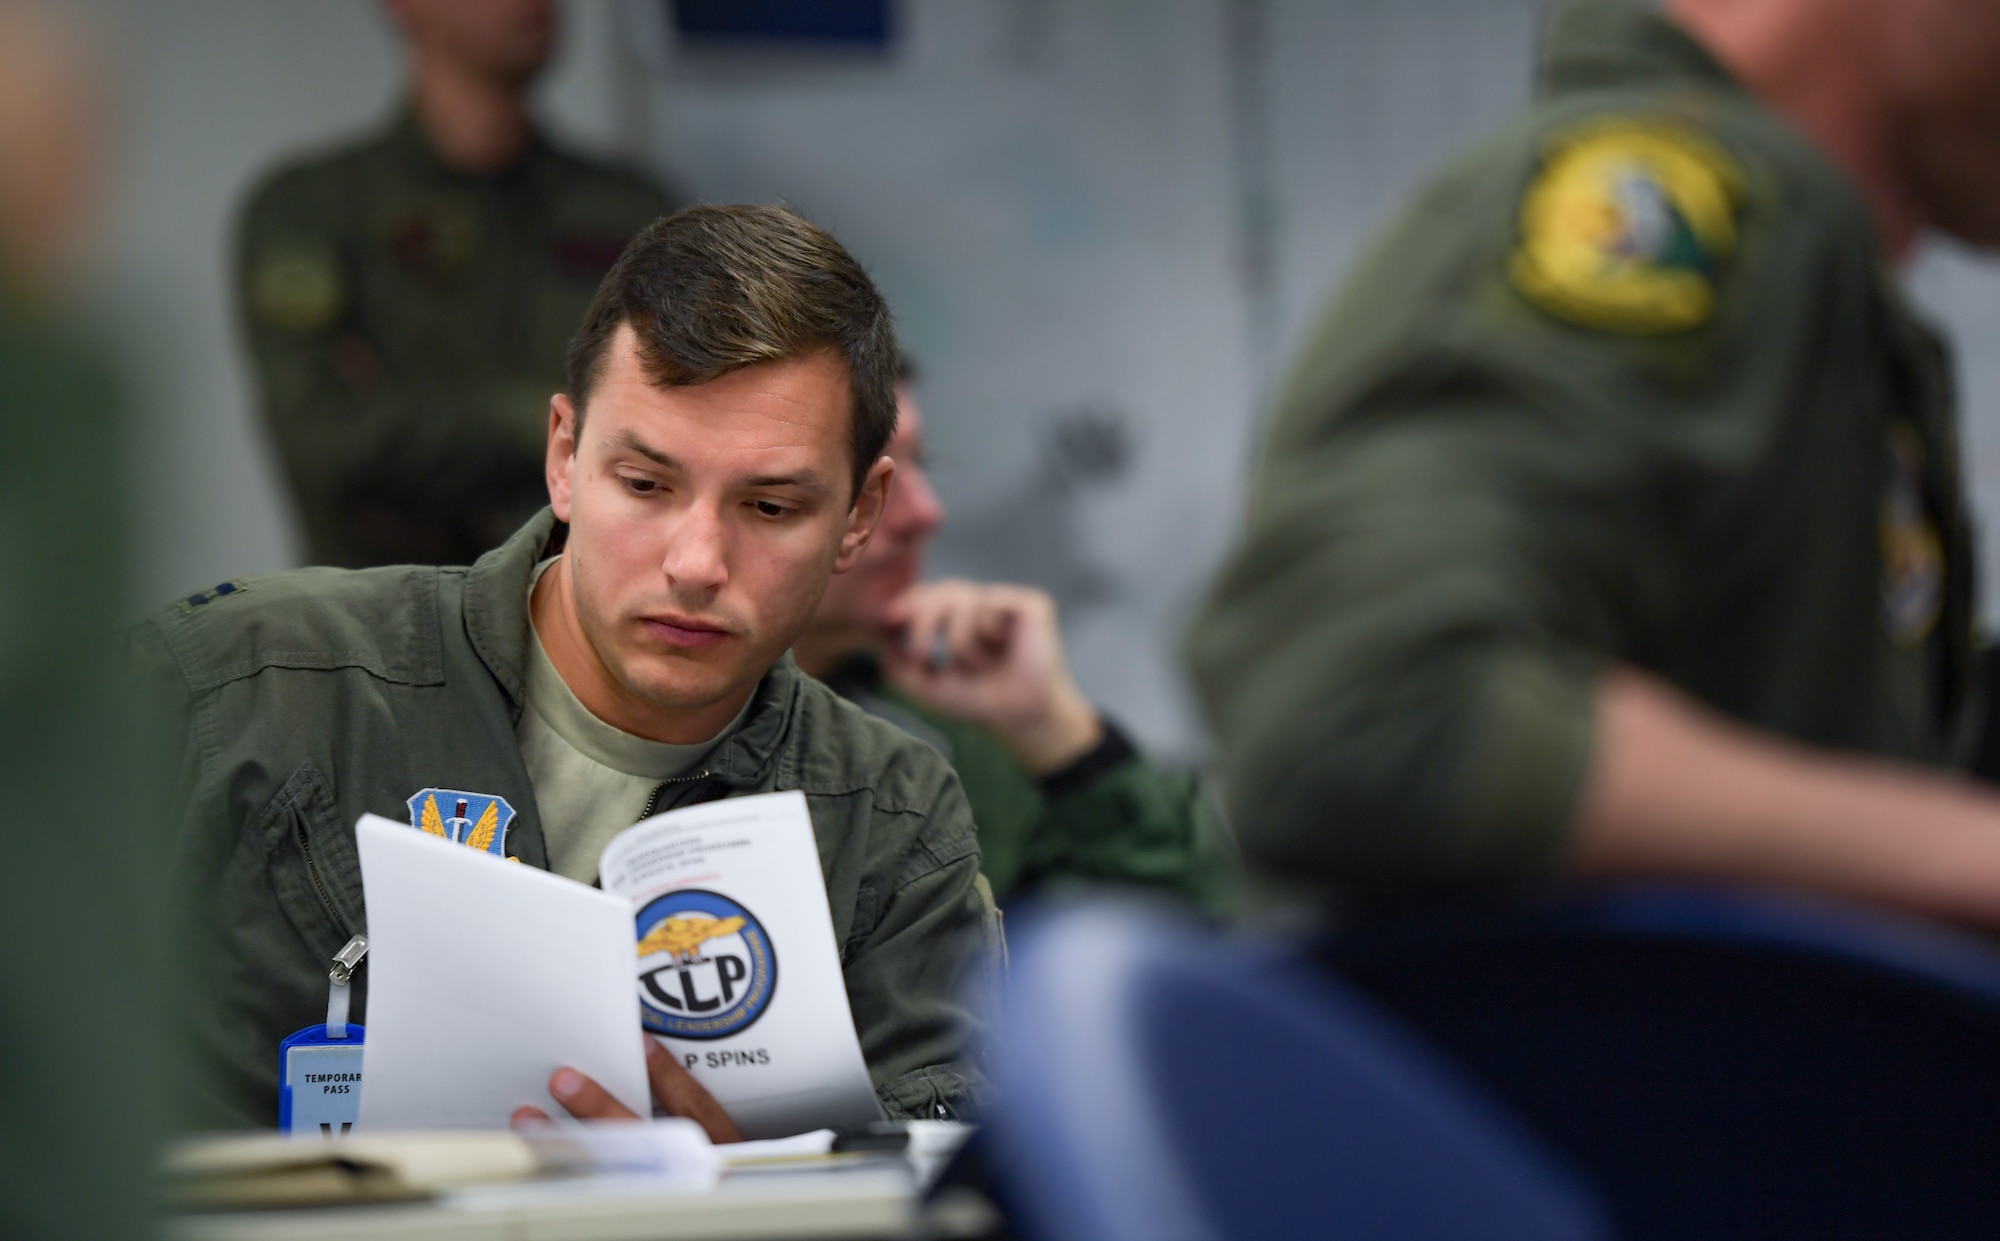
(874, 1198)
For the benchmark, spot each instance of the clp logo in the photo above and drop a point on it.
(706, 968)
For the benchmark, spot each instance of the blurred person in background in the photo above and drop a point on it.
(82, 1067)
(976, 669)
(407, 298)
(1611, 522)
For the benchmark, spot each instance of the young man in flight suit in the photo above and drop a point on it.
(1611, 523)
(717, 458)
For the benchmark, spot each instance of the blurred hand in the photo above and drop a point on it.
(674, 1089)
(991, 654)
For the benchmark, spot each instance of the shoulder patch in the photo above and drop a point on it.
(475, 820)
(297, 286)
(1626, 225)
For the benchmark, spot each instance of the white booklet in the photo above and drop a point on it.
(484, 977)
(738, 972)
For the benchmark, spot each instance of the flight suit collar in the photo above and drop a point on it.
(859, 673)
(496, 621)
(1597, 43)
(412, 148)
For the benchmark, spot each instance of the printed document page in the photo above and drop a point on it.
(738, 973)
(484, 977)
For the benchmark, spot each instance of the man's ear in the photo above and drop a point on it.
(561, 459)
(865, 515)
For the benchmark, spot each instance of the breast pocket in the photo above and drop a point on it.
(311, 863)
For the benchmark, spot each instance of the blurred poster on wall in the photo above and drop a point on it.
(847, 25)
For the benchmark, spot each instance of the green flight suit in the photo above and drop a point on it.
(1113, 817)
(1628, 382)
(308, 698)
(84, 1062)
(409, 324)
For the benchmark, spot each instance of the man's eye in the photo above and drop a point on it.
(771, 509)
(639, 486)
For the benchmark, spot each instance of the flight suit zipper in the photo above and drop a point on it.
(312, 872)
(653, 802)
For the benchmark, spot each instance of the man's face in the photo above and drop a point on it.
(506, 39)
(1946, 62)
(894, 560)
(705, 521)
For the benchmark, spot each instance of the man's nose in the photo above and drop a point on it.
(697, 556)
(920, 512)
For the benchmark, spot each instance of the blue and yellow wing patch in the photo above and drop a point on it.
(475, 820)
(1627, 225)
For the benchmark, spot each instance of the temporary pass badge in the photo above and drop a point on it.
(475, 820)
(1626, 226)
(706, 968)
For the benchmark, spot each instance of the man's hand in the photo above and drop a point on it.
(991, 655)
(673, 1089)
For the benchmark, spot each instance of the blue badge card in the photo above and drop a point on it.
(319, 1082)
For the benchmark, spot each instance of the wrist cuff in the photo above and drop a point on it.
(1112, 751)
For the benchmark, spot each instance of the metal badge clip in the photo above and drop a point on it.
(345, 962)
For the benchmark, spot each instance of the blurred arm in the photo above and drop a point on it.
(1419, 666)
(338, 435)
(1400, 658)
(991, 655)
(1678, 791)
(1138, 823)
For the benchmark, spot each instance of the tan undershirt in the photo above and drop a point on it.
(592, 781)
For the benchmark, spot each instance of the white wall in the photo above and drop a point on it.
(1064, 199)
(1960, 290)
(1057, 199)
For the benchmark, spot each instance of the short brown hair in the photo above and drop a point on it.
(711, 290)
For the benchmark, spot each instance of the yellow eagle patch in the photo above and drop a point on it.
(684, 935)
(1626, 225)
(297, 286)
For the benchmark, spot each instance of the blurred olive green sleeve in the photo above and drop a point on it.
(1401, 705)
(1139, 823)
(1465, 508)
(1134, 823)
(83, 1052)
